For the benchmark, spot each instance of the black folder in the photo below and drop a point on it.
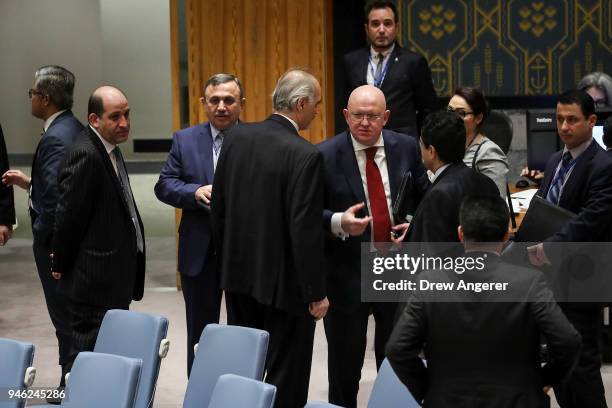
(406, 199)
(542, 220)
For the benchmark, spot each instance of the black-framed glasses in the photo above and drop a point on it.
(215, 100)
(459, 111)
(371, 117)
(32, 92)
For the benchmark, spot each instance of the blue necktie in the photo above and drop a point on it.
(554, 192)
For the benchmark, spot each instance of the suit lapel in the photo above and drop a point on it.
(360, 71)
(108, 165)
(350, 169)
(574, 180)
(204, 142)
(394, 160)
(394, 60)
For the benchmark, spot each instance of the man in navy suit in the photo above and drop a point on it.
(579, 178)
(52, 98)
(186, 182)
(363, 169)
(402, 75)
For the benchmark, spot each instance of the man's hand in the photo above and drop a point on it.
(537, 256)
(16, 178)
(400, 232)
(204, 194)
(6, 231)
(546, 389)
(533, 175)
(351, 224)
(318, 310)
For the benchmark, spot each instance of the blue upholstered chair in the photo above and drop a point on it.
(224, 350)
(389, 391)
(136, 335)
(16, 371)
(234, 391)
(99, 380)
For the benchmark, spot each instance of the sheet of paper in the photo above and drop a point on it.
(522, 199)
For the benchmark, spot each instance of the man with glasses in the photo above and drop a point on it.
(363, 170)
(186, 182)
(51, 97)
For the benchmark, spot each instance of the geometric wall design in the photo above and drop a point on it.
(508, 48)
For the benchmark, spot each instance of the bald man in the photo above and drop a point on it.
(98, 240)
(363, 169)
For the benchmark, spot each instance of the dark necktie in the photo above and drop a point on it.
(377, 75)
(554, 192)
(378, 201)
(217, 143)
(127, 194)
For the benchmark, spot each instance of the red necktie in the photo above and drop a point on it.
(378, 201)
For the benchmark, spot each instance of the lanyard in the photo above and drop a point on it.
(373, 71)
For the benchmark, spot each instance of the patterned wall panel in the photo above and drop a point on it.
(509, 47)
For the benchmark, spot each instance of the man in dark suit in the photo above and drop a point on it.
(402, 75)
(98, 240)
(442, 145)
(51, 97)
(266, 220)
(579, 179)
(186, 182)
(483, 348)
(7, 200)
(363, 165)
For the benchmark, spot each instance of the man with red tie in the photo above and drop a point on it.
(363, 170)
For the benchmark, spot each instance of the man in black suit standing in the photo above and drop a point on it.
(483, 348)
(579, 178)
(266, 219)
(363, 170)
(442, 145)
(51, 97)
(7, 200)
(98, 241)
(402, 75)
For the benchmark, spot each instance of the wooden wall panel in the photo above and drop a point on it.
(258, 41)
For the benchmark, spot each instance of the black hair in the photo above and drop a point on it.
(484, 218)
(376, 4)
(580, 98)
(446, 132)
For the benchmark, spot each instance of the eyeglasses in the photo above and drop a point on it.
(215, 100)
(459, 112)
(371, 117)
(33, 92)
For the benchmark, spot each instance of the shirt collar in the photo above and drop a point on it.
(295, 125)
(107, 145)
(578, 150)
(214, 131)
(358, 146)
(385, 53)
(433, 176)
(51, 118)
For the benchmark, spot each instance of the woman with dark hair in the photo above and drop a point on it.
(481, 153)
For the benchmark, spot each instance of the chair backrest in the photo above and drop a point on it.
(234, 391)
(498, 128)
(321, 404)
(135, 335)
(99, 380)
(389, 391)
(224, 350)
(15, 358)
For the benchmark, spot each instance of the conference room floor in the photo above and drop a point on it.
(24, 315)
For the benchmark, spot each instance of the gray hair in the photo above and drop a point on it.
(600, 81)
(57, 83)
(221, 78)
(292, 86)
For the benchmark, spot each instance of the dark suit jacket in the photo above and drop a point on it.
(407, 86)
(480, 351)
(266, 215)
(343, 188)
(7, 200)
(437, 217)
(588, 193)
(189, 166)
(94, 239)
(45, 172)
